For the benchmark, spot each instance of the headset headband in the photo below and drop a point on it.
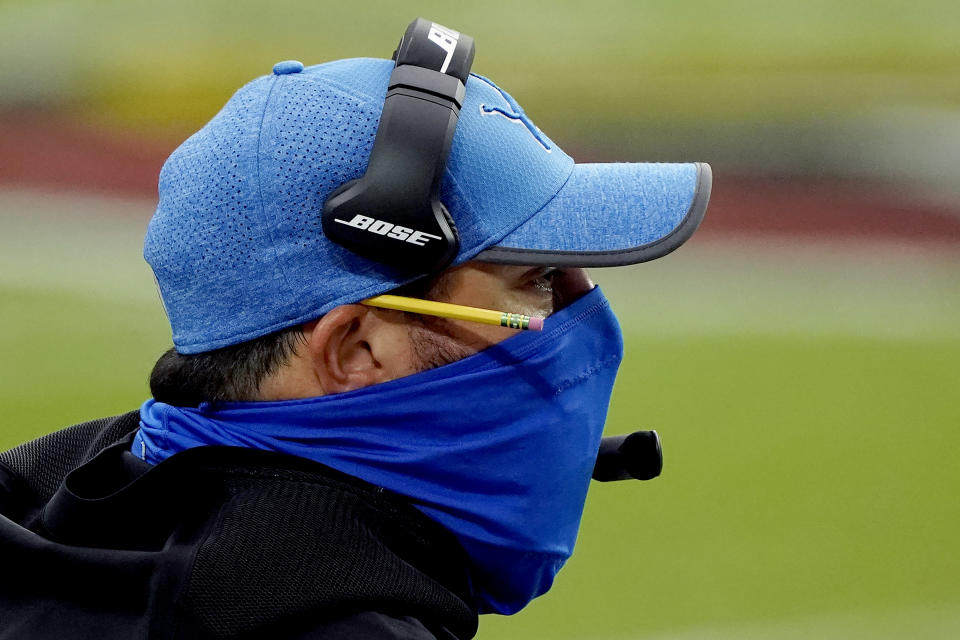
(393, 213)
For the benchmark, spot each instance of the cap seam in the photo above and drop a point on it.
(263, 208)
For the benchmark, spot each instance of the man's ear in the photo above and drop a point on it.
(354, 346)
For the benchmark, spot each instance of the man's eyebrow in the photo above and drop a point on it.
(534, 272)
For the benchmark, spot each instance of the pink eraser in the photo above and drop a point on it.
(536, 324)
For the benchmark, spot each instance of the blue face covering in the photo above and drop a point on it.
(498, 447)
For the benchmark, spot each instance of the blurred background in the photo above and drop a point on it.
(799, 356)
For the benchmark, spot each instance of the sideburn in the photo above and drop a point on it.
(434, 344)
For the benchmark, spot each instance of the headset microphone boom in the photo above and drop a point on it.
(637, 456)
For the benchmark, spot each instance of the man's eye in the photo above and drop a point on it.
(544, 281)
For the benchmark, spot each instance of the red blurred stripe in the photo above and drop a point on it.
(52, 152)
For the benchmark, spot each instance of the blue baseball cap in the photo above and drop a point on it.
(236, 243)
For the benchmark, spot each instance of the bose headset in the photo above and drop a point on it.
(393, 213)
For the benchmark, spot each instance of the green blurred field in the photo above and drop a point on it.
(807, 400)
(582, 70)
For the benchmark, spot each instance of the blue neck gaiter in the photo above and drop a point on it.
(498, 447)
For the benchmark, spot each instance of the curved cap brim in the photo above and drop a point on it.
(608, 215)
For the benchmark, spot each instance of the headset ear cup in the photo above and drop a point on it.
(393, 214)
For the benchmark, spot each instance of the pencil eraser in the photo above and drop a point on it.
(536, 324)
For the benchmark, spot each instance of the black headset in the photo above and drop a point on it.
(393, 214)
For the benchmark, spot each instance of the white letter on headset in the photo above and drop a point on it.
(400, 233)
(446, 39)
(380, 227)
(358, 222)
(420, 238)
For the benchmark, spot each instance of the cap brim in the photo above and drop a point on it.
(608, 215)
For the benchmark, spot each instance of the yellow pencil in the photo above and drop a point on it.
(456, 311)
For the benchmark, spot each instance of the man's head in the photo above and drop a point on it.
(246, 272)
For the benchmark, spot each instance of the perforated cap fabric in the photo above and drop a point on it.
(236, 243)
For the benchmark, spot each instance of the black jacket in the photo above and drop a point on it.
(214, 542)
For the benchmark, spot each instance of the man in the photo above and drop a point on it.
(311, 465)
